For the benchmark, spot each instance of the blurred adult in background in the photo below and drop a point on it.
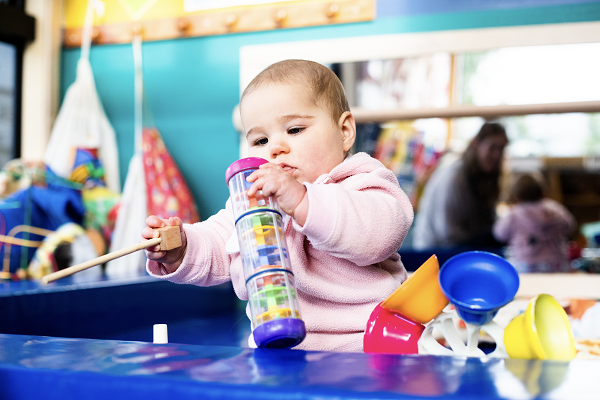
(536, 229)
(458, 206)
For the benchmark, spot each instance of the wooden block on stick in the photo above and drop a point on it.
(170, 237)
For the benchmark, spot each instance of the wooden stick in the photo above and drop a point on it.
(170, 238)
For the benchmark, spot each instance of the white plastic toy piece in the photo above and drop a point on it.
(161, 335)
(444, 323)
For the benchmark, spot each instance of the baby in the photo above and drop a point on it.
(536, 229)
(346, 215)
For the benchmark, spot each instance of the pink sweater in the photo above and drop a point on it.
(537, 235)
(344, 258)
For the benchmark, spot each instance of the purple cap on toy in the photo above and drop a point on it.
(281, 333)
(242, 165)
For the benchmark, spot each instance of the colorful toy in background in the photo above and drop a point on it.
(476, 284)
(87, 168)
(18, 175)
(45, 211)
(402, 148)
(101, 208)
(40, 204)
(585, 253)
(100, 202)
(44, 261)
(274, 308)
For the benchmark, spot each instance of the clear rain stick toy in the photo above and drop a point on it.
(274, 309)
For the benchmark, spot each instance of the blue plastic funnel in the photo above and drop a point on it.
(478, 283)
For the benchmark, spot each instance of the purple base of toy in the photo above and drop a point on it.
(280, 333)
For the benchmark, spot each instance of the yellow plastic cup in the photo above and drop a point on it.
(541, 332)
(420, 297)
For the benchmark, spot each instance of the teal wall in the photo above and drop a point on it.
(192, 84)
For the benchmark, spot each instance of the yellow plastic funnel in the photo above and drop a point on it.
(420, 297)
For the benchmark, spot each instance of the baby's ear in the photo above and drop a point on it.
(347, 127)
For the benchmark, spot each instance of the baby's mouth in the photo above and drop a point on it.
(290, 170)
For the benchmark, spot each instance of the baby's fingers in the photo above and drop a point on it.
(263, 170)
(256, 186)
(174, 221)
(149, 233)
(154, 253)
(154, 222)
(265, 173)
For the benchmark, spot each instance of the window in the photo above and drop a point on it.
(16, 28)
(533, 75)
(8, 63)
(506, 76)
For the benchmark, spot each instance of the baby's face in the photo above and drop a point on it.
(283, 126)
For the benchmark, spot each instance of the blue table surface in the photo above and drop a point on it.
(123, 309)
(34, 367)
(214, 366)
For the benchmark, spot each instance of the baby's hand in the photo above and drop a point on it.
(288, 192)
(170, 258)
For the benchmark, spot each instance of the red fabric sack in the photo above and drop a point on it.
(167, 192)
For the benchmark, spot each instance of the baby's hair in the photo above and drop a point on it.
(527, 189)
(323, 83)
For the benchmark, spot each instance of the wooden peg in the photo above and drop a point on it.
(230, 21)
(137, 29)
(183, 26)
(170, 238)
(280, 18)
(96, 35)
(332, 11)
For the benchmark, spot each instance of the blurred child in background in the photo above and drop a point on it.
(536, 229)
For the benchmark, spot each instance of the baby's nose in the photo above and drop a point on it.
(279, 147)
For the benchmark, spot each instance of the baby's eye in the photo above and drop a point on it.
(295, 130)
(261, 142)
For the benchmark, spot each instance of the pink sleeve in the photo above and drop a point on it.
(206, 263)
(567, 219)
(363, 219)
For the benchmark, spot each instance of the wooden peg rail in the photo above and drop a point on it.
(229, 20)
(170, 238)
